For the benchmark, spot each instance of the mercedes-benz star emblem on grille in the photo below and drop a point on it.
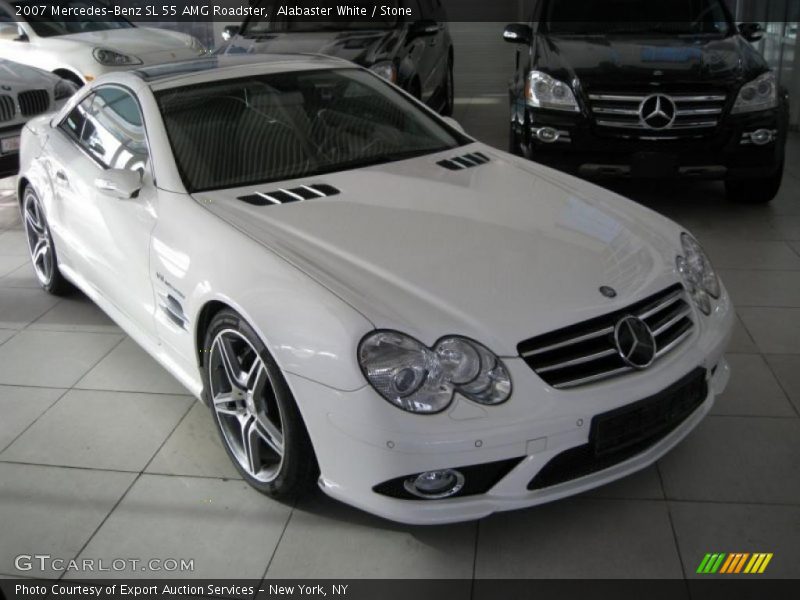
(635, 342)
(658, 111)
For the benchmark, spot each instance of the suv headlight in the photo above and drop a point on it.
(112, 58)
(700, 277)
(543, 91)
(424, 380)
(759, 94)
(385, 69)
(64, 89)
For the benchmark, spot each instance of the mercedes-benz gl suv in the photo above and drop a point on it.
(679, 92)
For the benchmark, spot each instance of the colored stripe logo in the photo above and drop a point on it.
(734, 563)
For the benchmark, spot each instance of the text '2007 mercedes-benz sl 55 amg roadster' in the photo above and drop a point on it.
(367, 298)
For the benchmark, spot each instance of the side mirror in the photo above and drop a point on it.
(752, 32)
(9, 32)
(423, 28)
(120, 183)
(517, 33)
(231, 31)
(454, 124)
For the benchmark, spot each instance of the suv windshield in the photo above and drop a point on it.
(276, 23)
(45, 25)
(239, 132)
(693, 17)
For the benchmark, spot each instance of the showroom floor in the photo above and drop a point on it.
(103, 455)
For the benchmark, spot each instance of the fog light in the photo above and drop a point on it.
(760, 137)
(434, 485)
(548, 135)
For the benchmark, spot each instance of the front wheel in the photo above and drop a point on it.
(255, 412)
(449, 92)
(761, 190)
(41, 248)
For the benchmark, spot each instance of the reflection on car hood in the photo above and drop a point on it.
(498, 252)
(17, 76)
(361, 47)
(140, 41)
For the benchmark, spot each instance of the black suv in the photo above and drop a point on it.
(410, 46)
(679, 92)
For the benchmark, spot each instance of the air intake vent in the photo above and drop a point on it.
(467, 161)
(287, 196)
(587, 352)
(33, 102)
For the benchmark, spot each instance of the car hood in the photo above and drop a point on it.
(607, 60)
(498, 252)
(139, 41)
(361, 47)
(19, 76)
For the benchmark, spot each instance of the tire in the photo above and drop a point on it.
(449, 92)
(41, 248)
(279, 461)
(514, 141)
(761, 190)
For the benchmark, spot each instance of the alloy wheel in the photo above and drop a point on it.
(39, 244)
(245, 406)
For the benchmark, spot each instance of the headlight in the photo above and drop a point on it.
(111, 58)
(64, 89)
(759, 94)
(385, 69)
(419, 379)
(542, 91)
(697, 272)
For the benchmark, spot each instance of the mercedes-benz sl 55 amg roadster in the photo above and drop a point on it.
(367, 298)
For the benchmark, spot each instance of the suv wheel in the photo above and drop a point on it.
(449, 92)
(254, 410)
(755, 191)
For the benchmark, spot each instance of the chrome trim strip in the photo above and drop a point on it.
(663, 304)
(709, 98)
(615, 111)
(570, 342)
(676, 319)
(577, 382)
(674, 343)
(617, 97)
(578, 361)
(312, 190)
(269, 198)
(697, 111)
(298, 197)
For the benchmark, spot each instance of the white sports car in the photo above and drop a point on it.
(367, 298)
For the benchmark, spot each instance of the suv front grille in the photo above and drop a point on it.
(586, 353)
(695, 114)
(33, 102)
(7, 108)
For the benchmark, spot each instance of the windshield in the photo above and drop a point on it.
(80, 16)
(327, 9)
(233, 133)
(691, 17)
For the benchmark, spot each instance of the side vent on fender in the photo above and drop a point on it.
(467, 161)
(284, 196)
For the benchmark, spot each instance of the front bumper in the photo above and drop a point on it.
(9, 163)
(594, 152)
(361, 441)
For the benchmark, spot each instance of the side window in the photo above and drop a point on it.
(75, 122)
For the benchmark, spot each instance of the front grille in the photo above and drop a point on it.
(585, 353)
(696, 114)
(34, 102)
(621, 434)
(7, 109)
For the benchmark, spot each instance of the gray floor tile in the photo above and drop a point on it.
(18, 307)
(129, 368)
(787, 370)
(21, 406)
(7, 334)
(13, 243)
(795, 246)
(228, 529)
(711, 527)
(9, 264)
(789, 227)
(100, 430)
(47, 510)
(752, 390)
(52, 359)
(741, 341)
(194, 448)
(774, 330)
(732, 459)
(75, 313)
(326, 539)
(643, 485)
(743, 254)
(22, 277)
(763, 288)
(580, 538)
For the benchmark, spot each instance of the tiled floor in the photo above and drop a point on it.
(102, 455)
